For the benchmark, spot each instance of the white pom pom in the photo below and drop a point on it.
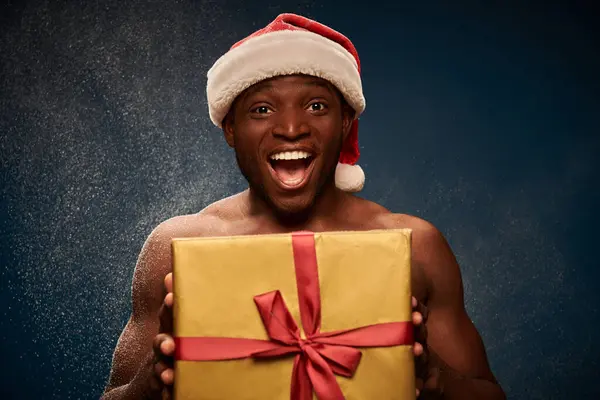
(349, 178)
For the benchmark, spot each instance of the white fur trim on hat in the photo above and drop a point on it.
(349, 178)
(281, 53)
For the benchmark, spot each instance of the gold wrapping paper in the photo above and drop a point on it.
(364, 279)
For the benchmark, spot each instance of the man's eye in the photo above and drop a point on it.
(317, 106)
(261, 110)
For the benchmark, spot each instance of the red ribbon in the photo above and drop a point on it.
(320, 355)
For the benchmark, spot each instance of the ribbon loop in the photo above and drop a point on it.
(343, 360)
(276, 317)
(321, 377)
(321, 360)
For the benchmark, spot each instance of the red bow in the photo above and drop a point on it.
(320, 355)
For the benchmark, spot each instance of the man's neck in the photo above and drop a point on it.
(325, 208)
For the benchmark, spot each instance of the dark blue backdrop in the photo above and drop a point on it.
(480, 119)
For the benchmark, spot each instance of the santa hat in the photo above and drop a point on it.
(292, 44)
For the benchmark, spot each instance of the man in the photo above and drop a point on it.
(288, 98)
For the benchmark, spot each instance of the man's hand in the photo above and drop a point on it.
(427, 375)
(164, 348)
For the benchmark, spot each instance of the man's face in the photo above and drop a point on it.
(287, 133)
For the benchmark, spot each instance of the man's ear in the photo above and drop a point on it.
(348, 114)
(228, 130)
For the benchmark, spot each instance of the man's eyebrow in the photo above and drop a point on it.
(268, 86)
(319, 83)
(316, 82)
(265, 85)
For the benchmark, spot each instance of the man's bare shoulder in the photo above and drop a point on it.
(154, 261)
(386, 219)
(427, 240)
(430, 250)
(208, 221)
(422, 229)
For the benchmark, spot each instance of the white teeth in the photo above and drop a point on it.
(290, 155)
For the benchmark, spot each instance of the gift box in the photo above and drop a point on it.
(294, 316)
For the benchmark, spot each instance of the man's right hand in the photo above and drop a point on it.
(164, 347)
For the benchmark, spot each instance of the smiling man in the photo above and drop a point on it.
(288, 99)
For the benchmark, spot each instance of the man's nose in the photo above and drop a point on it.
(291, 125)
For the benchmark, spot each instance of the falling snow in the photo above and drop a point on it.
(104, 133)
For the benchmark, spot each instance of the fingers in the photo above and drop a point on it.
(417, 318)
(169, 282)
(164, 372)
(420, 329)
(421, 309)
(166, 311)
(163, 345)
(164, 348)
(417, 349)
(169, 300)
(420, 312)
(167, 347)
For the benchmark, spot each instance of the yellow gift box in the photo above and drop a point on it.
(294, 316)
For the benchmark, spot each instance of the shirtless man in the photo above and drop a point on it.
(287, 100)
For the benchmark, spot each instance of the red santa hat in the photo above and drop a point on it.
(292, 44)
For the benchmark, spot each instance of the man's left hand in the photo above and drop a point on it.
(427, 375)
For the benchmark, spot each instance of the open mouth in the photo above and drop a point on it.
(291, 168)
